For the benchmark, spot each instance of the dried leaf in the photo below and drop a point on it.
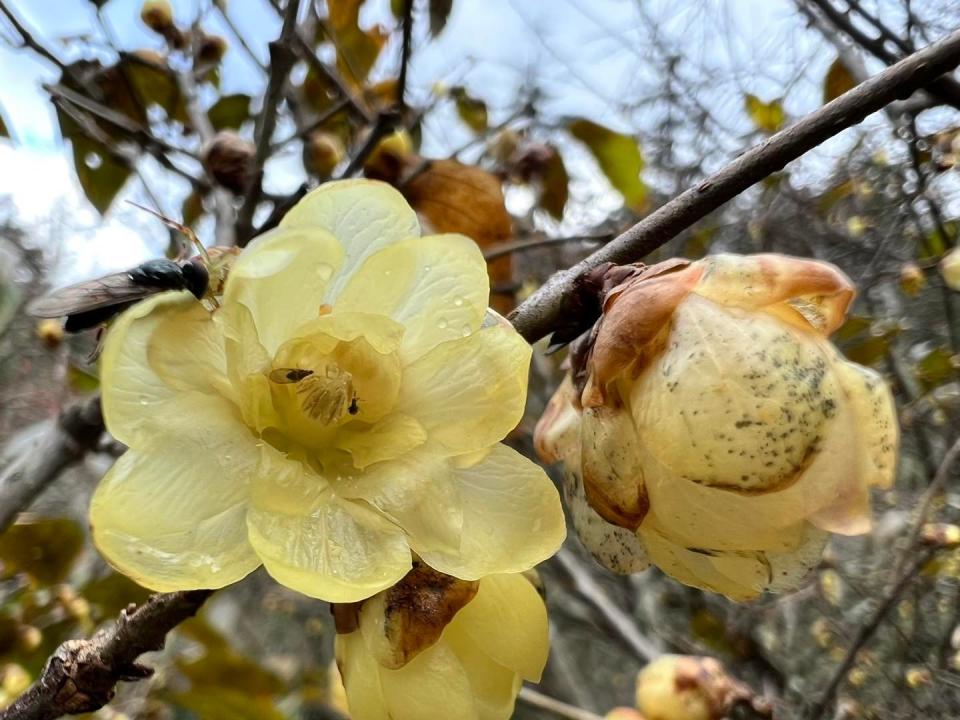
(766, 116)
(556, 186)
(837, 81)
(619, 158)
(357, 49)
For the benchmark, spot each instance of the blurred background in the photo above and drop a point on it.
(541, 129)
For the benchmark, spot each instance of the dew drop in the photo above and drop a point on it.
(143, 400)
(458, 301)
(442, 323)
(465, 331)
(426, 268)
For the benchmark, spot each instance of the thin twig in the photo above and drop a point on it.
(405, 54)
(385, 124)
(238, 36)
(77, 430)
(867, 631)
(28, 39)
(558, 708)
(282, 59)
(555, 303)
(643, 647)
(81, 676)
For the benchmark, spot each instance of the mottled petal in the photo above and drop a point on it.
(316, 542)
(283, 277)
(436, 286)
(154, 353)
(508, 621)
(468, 393)
(363, 215)
(171, 513)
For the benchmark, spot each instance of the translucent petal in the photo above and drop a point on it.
(494, 686)
(154, 352)
(788, 570)
(171, 513)
(436, 286)
(501, 514)
(468, 393)
(283, 278)
(363, 215)
(809, 293)
(318, 543)
(511, 518)
(386, 439)
(610, 465)
(361, 678)
(432, 685)
(508, 621)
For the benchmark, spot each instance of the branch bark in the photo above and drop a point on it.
(77, 431)
(82, 675)
(556, 303)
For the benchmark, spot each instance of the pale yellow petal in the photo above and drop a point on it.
(363, 215)
(436, 286)
(508, 621)
(316, 542)
(171, 513)
(511, 518)
(361, 679)
(155, 352)
(386, 439)
(432, 685)
(788, 570)
(283, 277)
(468, 393)
(494, 686)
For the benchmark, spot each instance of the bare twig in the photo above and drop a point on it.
(626, 629)
(385, 124)
(555, 707)
(282, 59)
(555, 303)
(405, 53)
(76, 431)
(81, 676)
(867, 631)
(28, 39)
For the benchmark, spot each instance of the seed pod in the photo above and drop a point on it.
(229, 160)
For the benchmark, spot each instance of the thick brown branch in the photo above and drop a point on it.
(76, 432)
(81, 676)
(554, 304)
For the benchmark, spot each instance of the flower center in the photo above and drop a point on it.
(326, 396)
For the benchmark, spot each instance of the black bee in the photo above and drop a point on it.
(89, 304)
(92, 303)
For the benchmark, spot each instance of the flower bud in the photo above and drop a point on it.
(912, 279)
(157, 15)
(322, 152)
(708, 426)
(211, 49)
(950, 269)
(229, 160)
(50, 332)
(685, 687)
(941, 535)
(623, 713)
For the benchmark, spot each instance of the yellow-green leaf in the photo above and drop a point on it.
(766, 116)
(935, 368)
(837, 81)
(42, 548)
(619, 157)
(357, 49)
(230, 111)
(101, 175)
(471, 110)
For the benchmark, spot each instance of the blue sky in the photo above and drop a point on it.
(587, 55)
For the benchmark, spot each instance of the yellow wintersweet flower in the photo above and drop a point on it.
(435, 647)
(341, 405)
(709, 427)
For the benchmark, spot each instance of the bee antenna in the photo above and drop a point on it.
(179, 227)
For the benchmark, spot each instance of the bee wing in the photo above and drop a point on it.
(90, 295)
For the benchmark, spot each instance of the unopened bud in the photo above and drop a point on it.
(912, 279)
(942, 535)
(212, 49)
(322, 152)
(157, 15)
(50, 332)
(950, 269)
(228, 158)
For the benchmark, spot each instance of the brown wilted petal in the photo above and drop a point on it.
(399, 623)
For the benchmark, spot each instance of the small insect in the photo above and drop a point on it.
(325, 397)
(89, 304)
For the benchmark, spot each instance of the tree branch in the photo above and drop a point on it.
(555, 707)
(28, 39)
(76, 431)
(282, 59)
(81, 676)
(556, 303)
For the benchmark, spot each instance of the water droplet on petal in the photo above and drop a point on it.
(426, 268)
(143, 400)
(465, 331)
(458, 301)
(442, 323)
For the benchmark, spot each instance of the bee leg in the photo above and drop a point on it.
(99, 337)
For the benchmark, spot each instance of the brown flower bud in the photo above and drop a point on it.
(228, 158)
(912, 279)
(211, 49)
(50, 332)
(157, 15)
(322, 152)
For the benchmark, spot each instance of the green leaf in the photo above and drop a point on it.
(101, 175)
(154, 83)
(230, 112)
(80, 381)
(43, 548)
(767, 117)
(472, 111)
(838, 80)
(935, 368)
(439, 14)
(619, 158)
